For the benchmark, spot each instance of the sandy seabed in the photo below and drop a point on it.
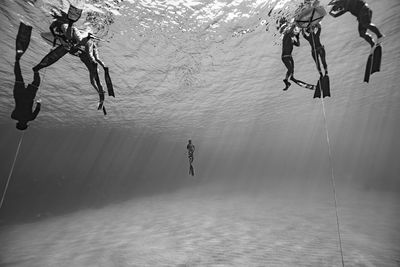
(203, 228)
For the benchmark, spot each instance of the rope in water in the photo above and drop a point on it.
(329, 149)
(11, 171)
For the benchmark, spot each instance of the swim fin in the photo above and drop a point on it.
(368, 68)
(373, 63)
(23, 39)
(110, 87)
(74, 13)
(326, 87)
(376, 63)
(323, 87)
(302, 84)
(318, 88)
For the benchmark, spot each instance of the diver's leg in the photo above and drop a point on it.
(36, 79)
(288, 61)
(95, 76)
(323, 59)
(366, 20)
(289, 66)
(375, 30)
(91, 78)
(51, 58)
(17, 72)
(314, 54)
(363, 33)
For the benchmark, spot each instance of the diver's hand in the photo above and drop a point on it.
(39, 101)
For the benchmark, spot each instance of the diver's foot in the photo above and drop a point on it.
(326, 72)
(372, 49)
(320, 74)
(100, 105)
(19, 55)
(287, 84)
(101, 95)
(380, 39)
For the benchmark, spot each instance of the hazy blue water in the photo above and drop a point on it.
(90, 190)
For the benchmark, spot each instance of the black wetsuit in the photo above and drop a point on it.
(360, 9)
(317, 49)
(287, 48)
(24, 97)
(190, 148)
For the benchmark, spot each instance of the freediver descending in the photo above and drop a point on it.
(190, 147)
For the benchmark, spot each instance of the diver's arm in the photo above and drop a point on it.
(36, 79)
(296, 42)
(17, 72)
(36, 111)
(96, 56)
(52, 26)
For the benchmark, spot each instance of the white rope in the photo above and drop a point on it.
(329, 151)
(332, 179)
(11, 171)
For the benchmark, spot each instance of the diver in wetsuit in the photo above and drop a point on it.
(361, 10)
(312, 34)
(74, 42)
(24, 96)
(90, 57)
(289, 39)
(190, 147)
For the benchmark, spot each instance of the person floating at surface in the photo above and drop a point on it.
(24, 96)
(361, 10)
(190, 147)
(289, 39)
(312, 35)
(90, 57)
(74, 42)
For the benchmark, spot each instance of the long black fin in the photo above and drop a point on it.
(23, 38)
(370, 63)
(110, 87)
(74, 13)
(376, 64)
(318, 89)
(303, 84)
(326, 87)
